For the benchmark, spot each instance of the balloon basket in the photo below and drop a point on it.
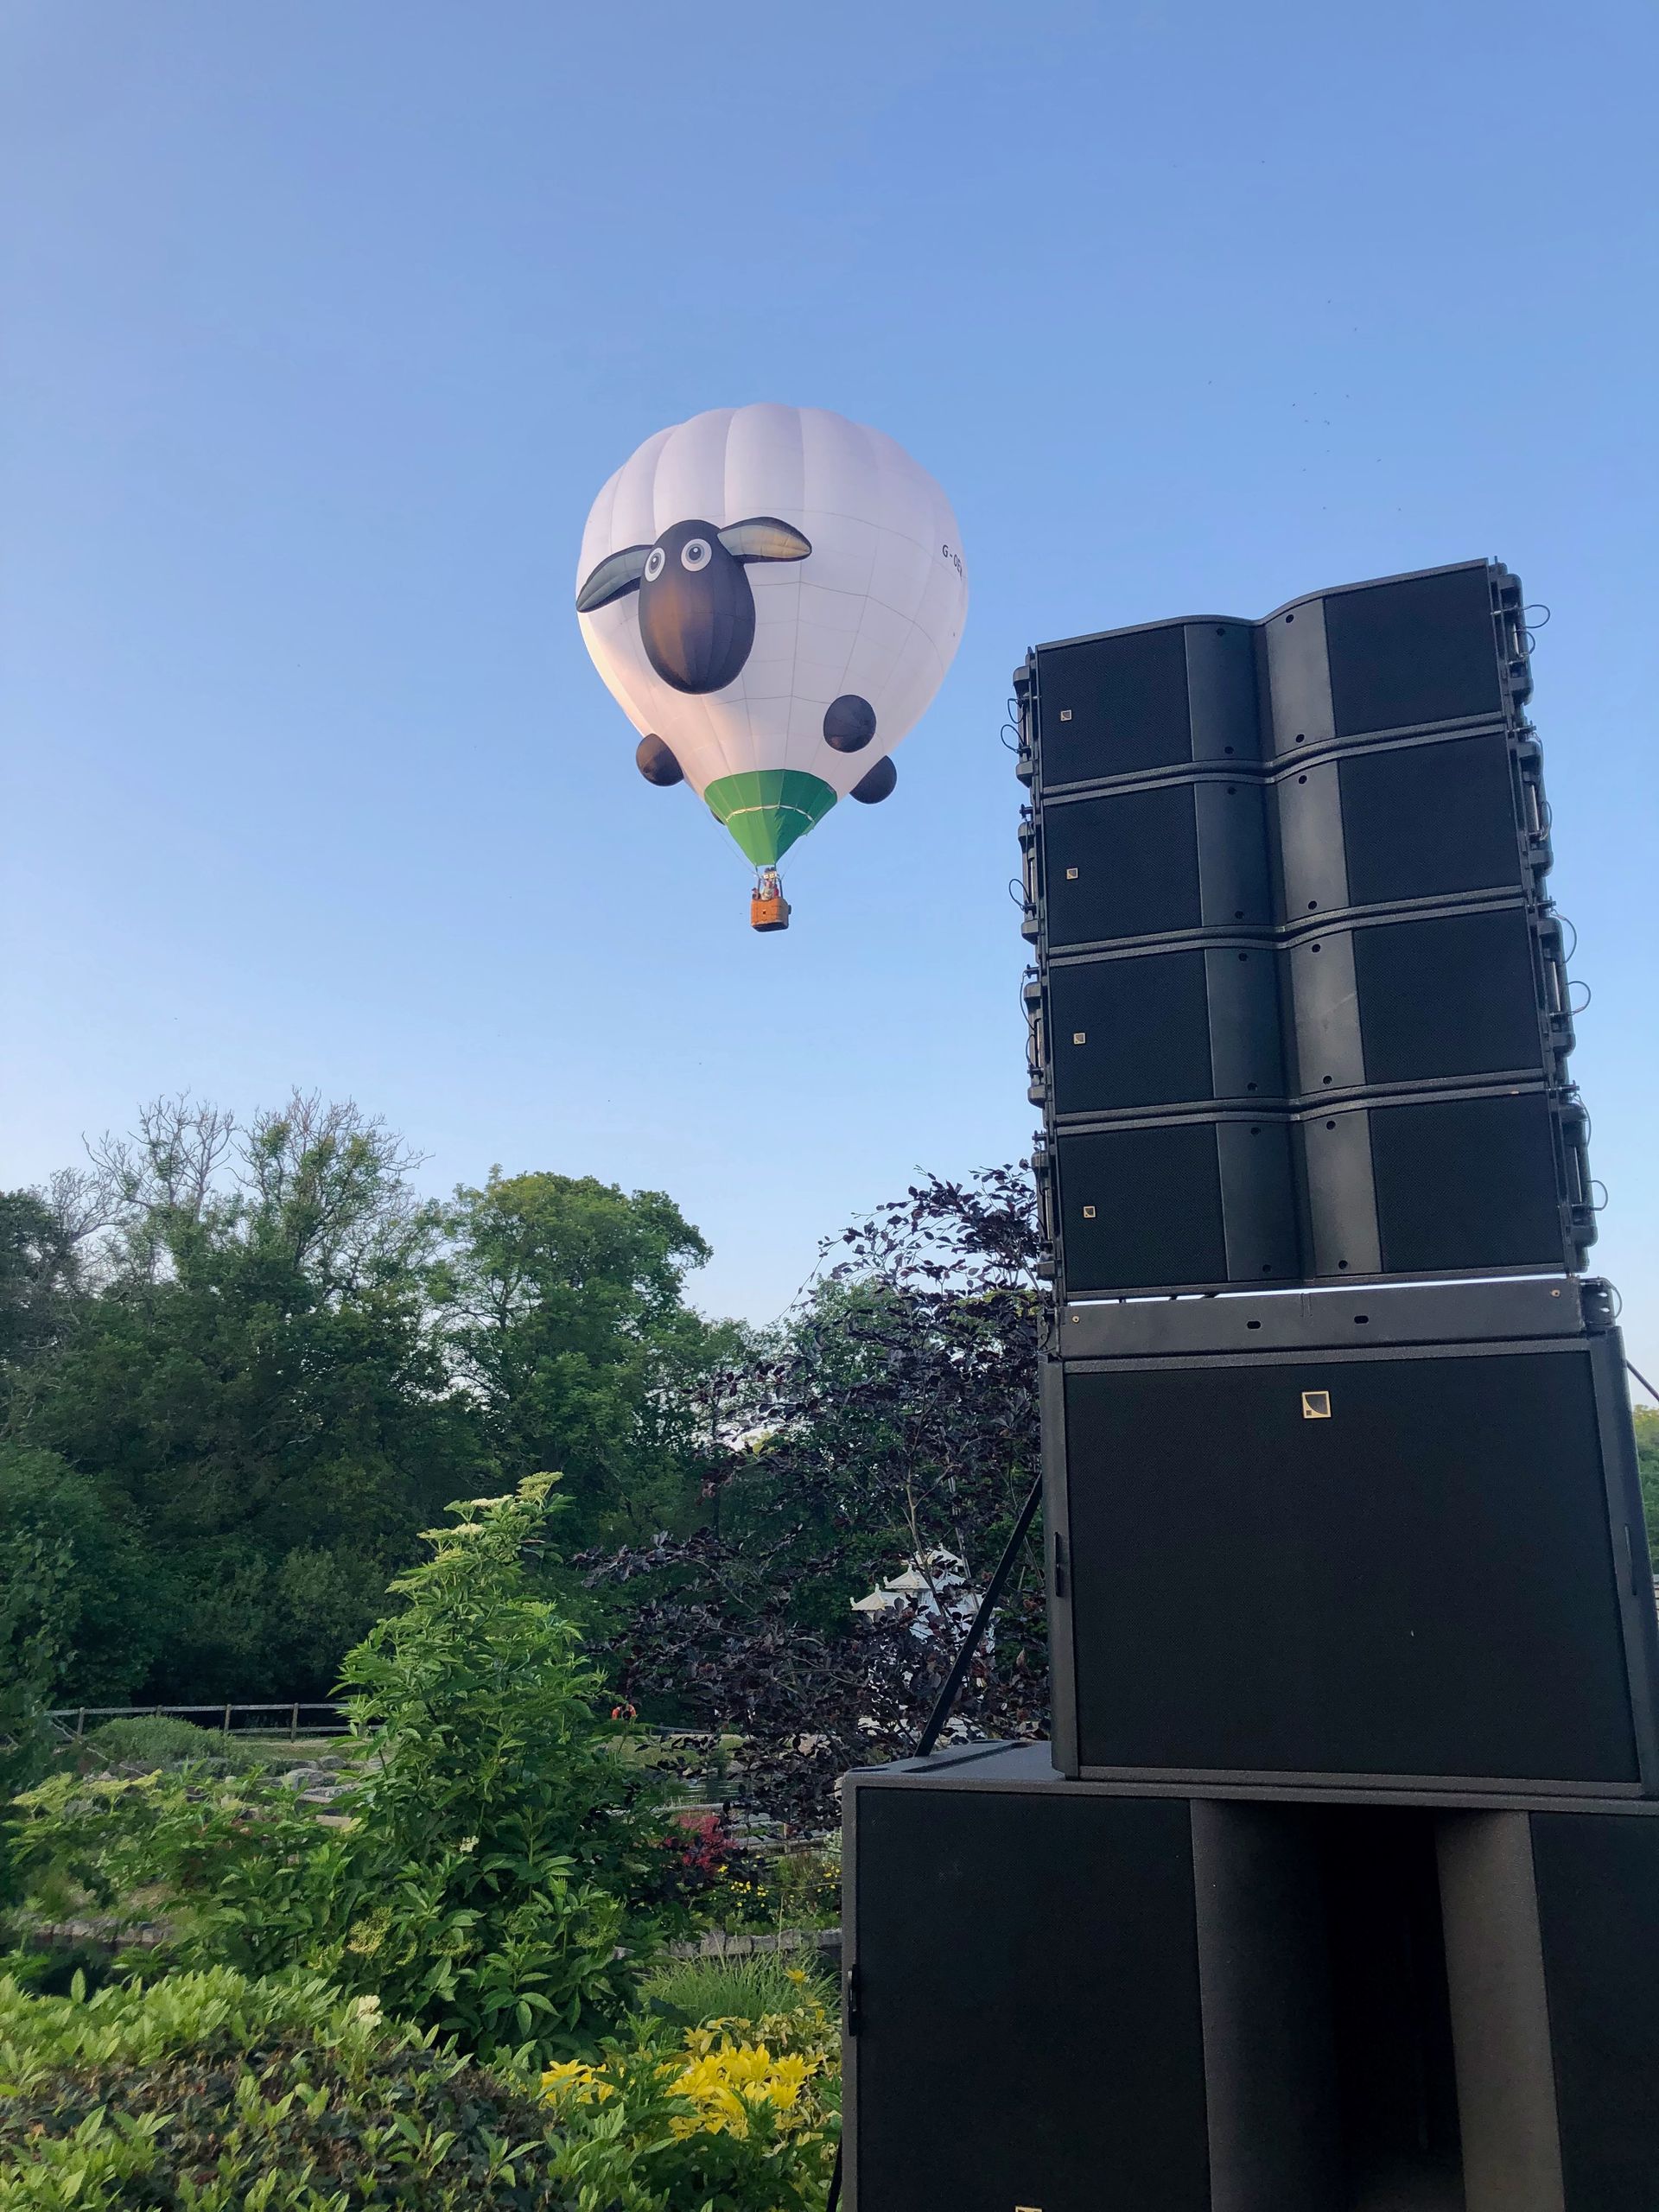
(768, 908)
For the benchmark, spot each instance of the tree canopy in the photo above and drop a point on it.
(242, 1364)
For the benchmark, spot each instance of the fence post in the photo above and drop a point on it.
(293, 1723)
(80, 1724)
(225, 1730)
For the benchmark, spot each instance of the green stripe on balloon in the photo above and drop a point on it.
(767, 809)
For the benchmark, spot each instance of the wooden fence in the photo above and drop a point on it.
(315, 1717)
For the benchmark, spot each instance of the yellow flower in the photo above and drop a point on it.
(571, 2081)
(726, 2081)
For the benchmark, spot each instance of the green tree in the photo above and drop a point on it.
(34, 1579)
(895, 1414)
(256, 1374)
(566, 1315)
(107, 1626)
(44, 1238)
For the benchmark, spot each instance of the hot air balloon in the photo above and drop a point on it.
(772, 595)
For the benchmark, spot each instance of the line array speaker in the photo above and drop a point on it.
(1301, 1010)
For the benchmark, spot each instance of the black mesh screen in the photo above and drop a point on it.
(1420, 821)
(1130, 1032)
(1141, 1208)
(1422, 1583)
(1112, 705)
(1448, 997)
(1470, 1183)
(1028, 1995)
(1127, 866)
(1422, 650)
(1598, 1879)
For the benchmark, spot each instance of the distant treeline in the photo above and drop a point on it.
(242, 1365)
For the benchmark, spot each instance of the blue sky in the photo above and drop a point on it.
(325, 322)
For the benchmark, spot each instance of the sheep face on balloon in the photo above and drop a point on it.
(696, 611)
(772, 661)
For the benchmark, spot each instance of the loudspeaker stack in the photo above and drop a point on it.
(1337, 1889)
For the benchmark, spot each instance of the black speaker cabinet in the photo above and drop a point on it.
(1463, 1182)
(1438, 651)
(1300, 1011)
(1062, 1996)
(1436, 1002)
(1417, 1562)
(1418, 822)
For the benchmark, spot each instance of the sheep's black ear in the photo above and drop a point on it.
(618, 574)
(763, 538)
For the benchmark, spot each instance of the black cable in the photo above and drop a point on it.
(953, 1682)
(1643, 1381)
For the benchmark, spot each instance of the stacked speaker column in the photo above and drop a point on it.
(1338, 1886)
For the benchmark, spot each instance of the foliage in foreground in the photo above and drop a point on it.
(229, 2095)
(739, 2113)
(226, 2095)
(482, 1880)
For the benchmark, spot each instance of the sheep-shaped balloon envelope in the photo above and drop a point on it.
(772, 595)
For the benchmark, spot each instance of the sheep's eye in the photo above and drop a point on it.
(656, 561)
(695, 553)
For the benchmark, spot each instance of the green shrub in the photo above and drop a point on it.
(693, 1991)
(157, 1739)
(224, 2095)
(494, 1843)
(738, 2114)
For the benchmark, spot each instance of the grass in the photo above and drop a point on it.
(748, 1988)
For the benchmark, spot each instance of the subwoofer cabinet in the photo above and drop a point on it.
(1075, 1997)
(1393, 1537)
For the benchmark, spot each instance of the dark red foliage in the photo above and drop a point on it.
(897, 1414)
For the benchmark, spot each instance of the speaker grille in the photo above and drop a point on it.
(1131, 1032)
(1113, 705)
(1421, 1582)
(1122, 866)
(1028, 1996)
(1451, 997)
(1422, 650)
(1429, 821)
(1466, 1184)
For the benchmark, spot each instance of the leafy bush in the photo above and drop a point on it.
(211, 2091)
(764, 1985)
(158, 1739)
(493, 1842)
(738, 2114)
(241, 1871)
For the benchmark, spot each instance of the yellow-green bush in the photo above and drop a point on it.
(739, 2115)
(223, 2094)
